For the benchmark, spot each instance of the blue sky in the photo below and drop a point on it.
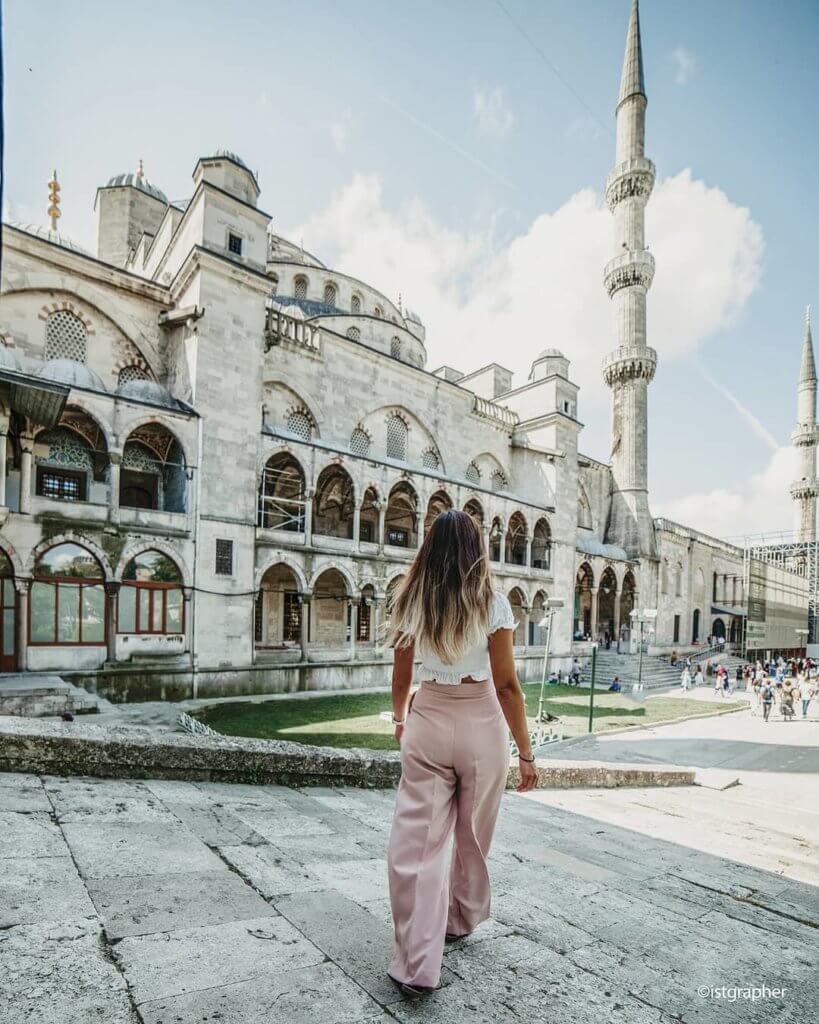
(416, 135)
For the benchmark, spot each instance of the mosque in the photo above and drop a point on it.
(219, 454)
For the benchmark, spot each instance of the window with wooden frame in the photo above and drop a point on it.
(67, 599)
(151, 598)
(61, 484)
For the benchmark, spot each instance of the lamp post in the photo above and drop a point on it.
(647, 615)
(551, 607)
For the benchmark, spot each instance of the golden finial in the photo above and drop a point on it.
(54, 200)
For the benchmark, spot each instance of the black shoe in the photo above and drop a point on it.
(451, 937)
(414, 990)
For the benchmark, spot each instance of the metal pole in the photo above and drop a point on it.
(591, 695)
(545, 668)
(640, 666)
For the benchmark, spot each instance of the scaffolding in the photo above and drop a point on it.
(785, 551)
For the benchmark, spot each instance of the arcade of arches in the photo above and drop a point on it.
(601, 609)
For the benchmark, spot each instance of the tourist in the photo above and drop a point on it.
(685, 680)
(698, 676)
(718, 681)
(446, 612)
(766, 696)
(806, 693)
(673, 658)
(786, 702)
(575, 674)
(616, 686)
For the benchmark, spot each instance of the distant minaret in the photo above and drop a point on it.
(629, 369)
(804, 490)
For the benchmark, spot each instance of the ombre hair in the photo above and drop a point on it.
(444, 601)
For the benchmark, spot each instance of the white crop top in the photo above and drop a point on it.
(475, 660)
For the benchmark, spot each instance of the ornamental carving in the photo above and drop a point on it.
(634, 268)
(626, 364)
(635, 185)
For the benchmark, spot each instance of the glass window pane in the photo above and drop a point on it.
(174, 611)
(93, 615)
(43, 602)
(8, 631)
(144, 610)
(68, 560)
(68, 613)
(8, 592)
(127, 610)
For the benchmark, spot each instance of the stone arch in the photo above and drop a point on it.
(515, 539)
(475, 509)
(168, 422)
(151, 474)
(519, 603)
(607, 598)
(330, 605)
(343, 571)
(333, 502)
(395, 574)
(137, 547)
(282, 492)
(292, 398)
(78, 401)
(537, 612)
(70, 537)
(584, 581)
(289, 563)
(496, 538)
(401, 519)
(541, 556)
(440, 501)
(13, 556)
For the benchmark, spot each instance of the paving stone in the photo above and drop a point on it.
(17, 779)
(178, 792)
(242, 793)
(321, 994)
(357, 879)
(353, 938)
(41, 889)
(29, 835)
(537, 923)
(25, 798)
(191, 959)
(270, 870)
(59, 974)
(215, 825)
(271, 824)
(161, 903)
(119, 849)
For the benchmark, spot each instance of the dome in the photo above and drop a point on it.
(551, 353)
(147, 391)
(138, 181)
(8, 360)
(227, 154)
(67, 371)
(49, 236)
(412, 316)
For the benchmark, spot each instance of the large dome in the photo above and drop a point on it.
(67, 371)
(49, 236)
(137, 181)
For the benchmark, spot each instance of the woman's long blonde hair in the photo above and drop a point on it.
(444, 601)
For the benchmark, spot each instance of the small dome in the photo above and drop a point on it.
(49, 236)
(227, 154)
(147, 391)
(67, 371)
(137, 181)
(8, 360)
(551, 353)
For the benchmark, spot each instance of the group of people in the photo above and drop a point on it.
(767, 682)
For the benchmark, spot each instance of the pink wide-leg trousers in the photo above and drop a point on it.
(454, 760)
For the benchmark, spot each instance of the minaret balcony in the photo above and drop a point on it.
(629, 362)
(804, 489)
(634, 267)
(804, 436)
(631, 179)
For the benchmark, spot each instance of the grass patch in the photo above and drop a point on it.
(352, 720)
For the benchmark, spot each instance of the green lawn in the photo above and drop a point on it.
(352, 720)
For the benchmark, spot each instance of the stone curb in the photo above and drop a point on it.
(73, 748)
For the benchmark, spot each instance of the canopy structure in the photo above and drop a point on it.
(41, 401)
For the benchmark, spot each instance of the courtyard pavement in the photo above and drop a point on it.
(178, 903)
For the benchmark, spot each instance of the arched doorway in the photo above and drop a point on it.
(542, 545)
(330, 610)
(627, 602)
(8, 615)
(401, 517)
(583, 600)
(718, 629)
(278, 609)
(695, 626)
(606, 600)
(333, 503)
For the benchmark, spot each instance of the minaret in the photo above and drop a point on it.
(629, 369)
(804, 490)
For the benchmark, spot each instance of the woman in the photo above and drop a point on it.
(454, 745)
(685, 680)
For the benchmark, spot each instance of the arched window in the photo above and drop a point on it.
(333, 503)
(281, 495)
(397, 432)
(72, 459)
(498, 481)
(300, 287)
(300, 423)
(542, 545)
(377, 311)
(66, 337)
(473, 474)
(150, 599)
(678, 575)
(515, 553)
(153, 470)
(495, 540)
(438, 503)
(395, 348)
(430, 460)
(355, 304)
(474, 509)
(67, 599)
(129, 373)
(400, 521)
(359, 442)
(354, 334)
(8, 616)
(330, 294)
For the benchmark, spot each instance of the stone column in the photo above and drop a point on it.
(187, 594)
(528, 557)
(382, 520)
(419, 529)
(357, 525)
(304, 599)
(485, 532)
(526, 612)
(26, 459)
(502, 557)
(616, 636)
(23, 588)
(3, 437)
(353, 605)
(308, 517)
(111, 596)
(375, 620)
(593, 627)
(114, 463)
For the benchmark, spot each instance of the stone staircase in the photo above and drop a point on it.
(657, 674)
(31, 695)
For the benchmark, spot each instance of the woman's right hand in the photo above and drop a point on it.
(528, 776)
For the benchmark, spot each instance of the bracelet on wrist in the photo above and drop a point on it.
(528, 760)
(396, 721)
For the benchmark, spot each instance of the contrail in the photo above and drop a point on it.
(743, 411)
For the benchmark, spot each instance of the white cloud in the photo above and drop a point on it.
(491, 112)
(685, 64)
(542, 288)
(760, 504)
(340, 129)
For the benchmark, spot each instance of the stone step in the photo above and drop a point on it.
(41, 696)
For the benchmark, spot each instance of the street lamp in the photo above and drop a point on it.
(648, 615)
(552, 606)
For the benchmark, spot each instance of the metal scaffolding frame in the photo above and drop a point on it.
(785, 551)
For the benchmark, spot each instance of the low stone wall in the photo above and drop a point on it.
(77, 748)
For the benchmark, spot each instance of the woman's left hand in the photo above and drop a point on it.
(399, 732)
